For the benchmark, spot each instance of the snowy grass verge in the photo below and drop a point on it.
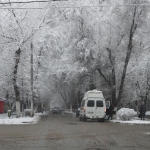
(5, 120)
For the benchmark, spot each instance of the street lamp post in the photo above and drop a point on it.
(31, 113)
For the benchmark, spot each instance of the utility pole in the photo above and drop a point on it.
(31, 113)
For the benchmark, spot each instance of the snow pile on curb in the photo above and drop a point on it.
(125, 114)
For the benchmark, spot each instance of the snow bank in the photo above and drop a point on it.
(148, 113)
(132, 122)
(125, 114)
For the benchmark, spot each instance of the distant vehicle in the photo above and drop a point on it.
(56, 110)
(93, 106)
(78, 112)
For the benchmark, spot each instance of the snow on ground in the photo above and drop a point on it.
(148, 113)
(128, 116)
(4, 119)
(147, 133)
(135, 120)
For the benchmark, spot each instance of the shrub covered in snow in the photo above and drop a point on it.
(125, 114)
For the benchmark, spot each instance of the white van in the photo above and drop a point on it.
(93, 106)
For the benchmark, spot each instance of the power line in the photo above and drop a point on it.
(44, 1)
(47, 1)
(75, 6)
(4, 3)
(21, 8)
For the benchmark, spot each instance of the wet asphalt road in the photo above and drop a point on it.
(66, 132)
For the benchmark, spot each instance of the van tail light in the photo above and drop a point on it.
(105, 109)
(84, 109)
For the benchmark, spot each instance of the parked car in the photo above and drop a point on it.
(56, 110)
(78, 112)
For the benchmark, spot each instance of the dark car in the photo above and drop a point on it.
(56, 110)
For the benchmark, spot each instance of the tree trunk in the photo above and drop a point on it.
(128, 54)
(16, 88)
(64, 99)
(112, 82)
(113, 86)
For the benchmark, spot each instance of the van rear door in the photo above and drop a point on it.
(90, 110)
(100, 109)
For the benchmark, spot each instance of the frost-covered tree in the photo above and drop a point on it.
(118, 44)
(17, 31)
(77, 46)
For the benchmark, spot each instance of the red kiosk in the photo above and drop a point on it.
(1, 106)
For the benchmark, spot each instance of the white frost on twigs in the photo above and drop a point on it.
(125, 114)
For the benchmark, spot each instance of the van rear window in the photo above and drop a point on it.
(99, 103)
(90, 103)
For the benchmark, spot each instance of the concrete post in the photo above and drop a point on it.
(115, 116)
(18, 113)
(32, 113)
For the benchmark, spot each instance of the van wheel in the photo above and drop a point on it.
(84, 119)
(80, 119)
